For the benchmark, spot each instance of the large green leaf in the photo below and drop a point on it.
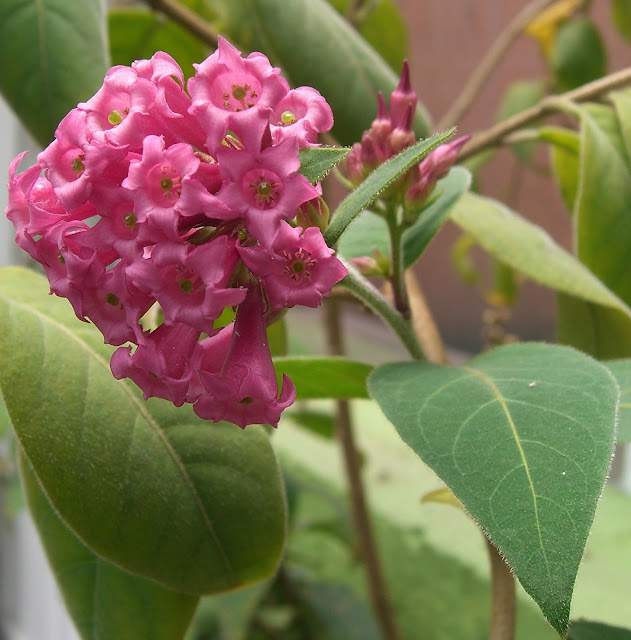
(523, 436)
(322, 377)
(621, 370)
(104, 601)
(361, 197)
(53, 55)
(529, 249)
(136, 34)
(145, 485)
(622, 103)
(602, 218)
(331, 56)
(585, 630)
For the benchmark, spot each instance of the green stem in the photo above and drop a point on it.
(376, 302)
(397, 277)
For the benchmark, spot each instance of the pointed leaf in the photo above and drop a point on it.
(564, 149)
(621, 370)
(622, 103)
(322, 377)
(53, 54)
(104, 601)
(523, 436)
(332, 57)
(316, 162)
(361, 197)
(145, 485)
(529, 249)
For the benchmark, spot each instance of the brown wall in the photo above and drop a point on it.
(447, 39)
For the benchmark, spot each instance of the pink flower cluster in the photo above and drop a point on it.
(150, 195)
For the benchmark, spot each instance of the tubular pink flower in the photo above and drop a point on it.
(189, 282)
(161, 364)
(297, 269)
(226, 86)
(245, 390)
(264, 188)
(302, 114)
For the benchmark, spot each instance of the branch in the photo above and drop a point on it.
(495, 135)
(503, 603)
(492, 59)
(361, 517)
(187, 19)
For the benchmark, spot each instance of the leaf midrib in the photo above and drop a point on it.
(150, 421)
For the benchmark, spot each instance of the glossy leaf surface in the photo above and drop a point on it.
(53, 55)
(145, 485)
(104, 601)
(523, 436)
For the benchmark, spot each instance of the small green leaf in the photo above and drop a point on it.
(145, 485)
(136, 34)
(584, 630)
(621, 370)
(318, 422)
(361, 197)
(621, 17)
(53, 55)
(529, 249)
(367, 234)
(564, 149)
(519, 96)
(322, 377)
(104, 601)
(523, 436)
(579, 54)
(449, 190)
(316, 162)
(332, 57)
(622, 103)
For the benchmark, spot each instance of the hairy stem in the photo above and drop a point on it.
(490, 61)
(503, 603)
(397, 278)
(187, 19)
(494, 136)
(377, 303)
(361, 518)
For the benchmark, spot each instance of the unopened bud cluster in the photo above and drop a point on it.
(150, 196)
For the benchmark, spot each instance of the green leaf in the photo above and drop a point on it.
(147, 486)
(621, 17)
(449, 190)
(584, 630)
(335, 612)
(621, 370)
(325, 377)
(361, 197)
(5, 422)
(579, 54)
(316, 162)
(136, 34)
(318, 422)
(332, 57)
(622, 104)
(529, 249)
(564, 151)
(104, 601)
(385, 28)
(523, 436)
(367, 234)
(601, 332)
(605, 118)
(519, 96)
(53, 55)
